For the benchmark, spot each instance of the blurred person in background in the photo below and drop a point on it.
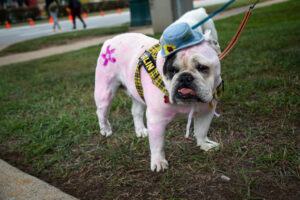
(53, 7)
(75, 7)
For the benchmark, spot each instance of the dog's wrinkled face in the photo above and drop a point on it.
(191, 74)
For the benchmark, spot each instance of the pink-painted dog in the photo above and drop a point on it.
(116, 67)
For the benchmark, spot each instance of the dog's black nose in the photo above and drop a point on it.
(186, 78)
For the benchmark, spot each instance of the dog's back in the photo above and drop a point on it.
(195, 16)
(118, 60)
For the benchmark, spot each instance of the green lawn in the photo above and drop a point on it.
(48, 125)
(235, 4)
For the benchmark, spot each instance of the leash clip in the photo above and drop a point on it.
(252, 7)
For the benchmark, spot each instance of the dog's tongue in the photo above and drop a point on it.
(187, 91)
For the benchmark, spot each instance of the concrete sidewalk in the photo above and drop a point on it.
(17, 185)
(21, 57)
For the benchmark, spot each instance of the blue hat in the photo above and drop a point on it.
(179, 36)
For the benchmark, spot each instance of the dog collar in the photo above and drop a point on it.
(217, 93)
(148, 60)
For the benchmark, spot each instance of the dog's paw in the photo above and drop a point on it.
(159, 165)
(105, 129)
(207, 144)
(106, 132)
(141, 132)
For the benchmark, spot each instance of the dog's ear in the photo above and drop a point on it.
(207, 35)
(214, 43)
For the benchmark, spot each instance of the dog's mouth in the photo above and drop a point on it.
(187, 94)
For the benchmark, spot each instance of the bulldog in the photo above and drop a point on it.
(190, 69)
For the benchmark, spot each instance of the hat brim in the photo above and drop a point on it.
(198, 38)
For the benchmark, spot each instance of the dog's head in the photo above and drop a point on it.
(192, 74)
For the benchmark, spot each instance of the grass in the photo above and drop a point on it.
(48, 125)
(60, 39)
(236, 4)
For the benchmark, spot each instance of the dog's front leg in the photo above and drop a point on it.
(201, 126)
(156, 130)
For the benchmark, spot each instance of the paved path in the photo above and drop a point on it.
(21, 33)
(16, 185)
(202, 3)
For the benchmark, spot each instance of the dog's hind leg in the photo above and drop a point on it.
(137, 111)
(105, 91)
(201, 126)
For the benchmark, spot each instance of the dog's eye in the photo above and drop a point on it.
(202, 68)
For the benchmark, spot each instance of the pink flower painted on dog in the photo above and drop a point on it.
(107, 56)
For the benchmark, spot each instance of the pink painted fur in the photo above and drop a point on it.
(120, 74)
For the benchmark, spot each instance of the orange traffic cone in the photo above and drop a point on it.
(84, 15)
(101, 13)
(119, 10)
(31, 22)
(70, 17)
(7, 25)
(51, 20)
